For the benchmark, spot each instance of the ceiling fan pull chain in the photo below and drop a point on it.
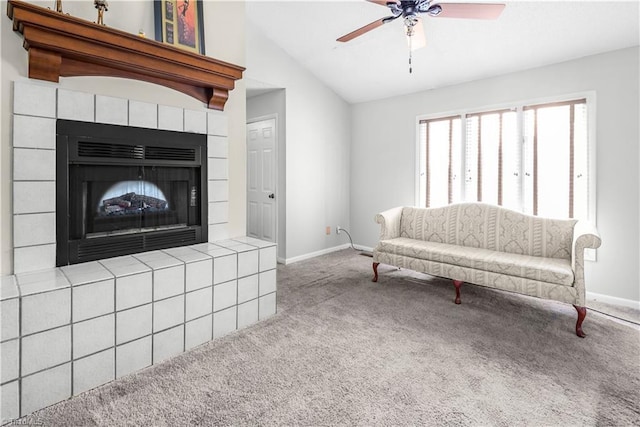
(410, 55)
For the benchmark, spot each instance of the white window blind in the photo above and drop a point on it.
(531, 158)
(492, 157)
(557, 159)
(441, 146)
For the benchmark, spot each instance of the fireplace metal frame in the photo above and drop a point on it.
(124, 146)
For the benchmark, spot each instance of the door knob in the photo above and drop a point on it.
(272, 196)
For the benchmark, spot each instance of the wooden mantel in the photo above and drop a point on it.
(63, 45)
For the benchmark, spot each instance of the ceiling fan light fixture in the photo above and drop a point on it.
(434, 10)
(415, 35)
(411, 20)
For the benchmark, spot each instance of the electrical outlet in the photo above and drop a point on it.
(338, 229)
(328, 230)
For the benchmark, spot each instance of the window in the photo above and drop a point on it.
(441, 161)
(492, 158)
(530, 158)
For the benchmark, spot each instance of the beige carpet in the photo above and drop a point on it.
(345, 351)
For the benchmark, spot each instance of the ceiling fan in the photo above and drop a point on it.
(410, 10)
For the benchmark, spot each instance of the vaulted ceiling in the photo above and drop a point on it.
(528, 34)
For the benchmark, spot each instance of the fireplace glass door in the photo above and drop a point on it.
(118, 200)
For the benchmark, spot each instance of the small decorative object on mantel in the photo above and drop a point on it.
(59, 6)
(102, 6)
(180, 23)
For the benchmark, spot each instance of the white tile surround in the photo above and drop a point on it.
(35, 110)
(67, 330)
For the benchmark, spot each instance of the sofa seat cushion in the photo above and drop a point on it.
(550, 270)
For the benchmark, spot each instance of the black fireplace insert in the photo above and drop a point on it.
(123, 190)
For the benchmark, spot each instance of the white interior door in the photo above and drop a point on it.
(261, 180)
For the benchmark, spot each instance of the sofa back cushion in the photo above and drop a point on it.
(481, 225)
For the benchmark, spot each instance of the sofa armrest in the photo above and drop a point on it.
(585, 235)
(389, 221)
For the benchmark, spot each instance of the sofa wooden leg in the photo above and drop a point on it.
(582, 313)
(457, 284)
(375, 271)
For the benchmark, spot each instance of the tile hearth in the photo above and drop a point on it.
(67, 330)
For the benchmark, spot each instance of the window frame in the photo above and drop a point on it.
(519, 106)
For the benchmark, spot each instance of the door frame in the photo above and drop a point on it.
(273, 116)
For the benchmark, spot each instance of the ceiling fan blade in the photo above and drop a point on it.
(466, 10)
(360, 31)
(384, 2)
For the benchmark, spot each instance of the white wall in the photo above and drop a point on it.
(318, 135)
(265, 105)
(384, 144)
(223, 21)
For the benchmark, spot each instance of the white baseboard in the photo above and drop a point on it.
(315, 254)
(286, 261)
(363, 248)
(614, 300)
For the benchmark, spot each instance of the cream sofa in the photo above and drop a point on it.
(490, 246)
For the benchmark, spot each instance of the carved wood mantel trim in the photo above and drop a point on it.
(63, 45)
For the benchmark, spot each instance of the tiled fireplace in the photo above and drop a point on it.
(69, 329)
(121, 190)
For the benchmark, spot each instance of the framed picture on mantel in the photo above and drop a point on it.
(180, 23)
